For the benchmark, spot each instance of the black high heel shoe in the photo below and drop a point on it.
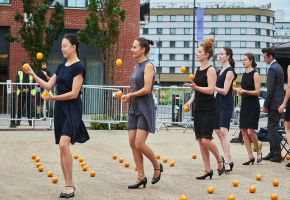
(222, 170)
(67, 196)
(232, 165)
(156, 179)
(259, 158)
(137, 185)
(252, 160)
(210, 173)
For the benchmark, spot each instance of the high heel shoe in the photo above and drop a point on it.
(156, 179)
(232, 165)
(210, 173)
(259, 158)
(222, 170)
(67, 196)
(137, 185)
(227, 168)
(252, 160)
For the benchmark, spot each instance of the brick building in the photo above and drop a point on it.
(12, 55)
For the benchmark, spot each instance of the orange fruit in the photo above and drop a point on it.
(83, 163)
(275, 183)
(183, 69)
(193, 156)
(258, 177)
(274, 196)
(191, 77)
(39, 56)
(37, 159)
(126, 164)
(33, 156)
(45, 93)
(118, 94)
(49, 173)
(252, 189)
(171, 163)
(81, 159)
(135, 168)
(121, 160)
(185, 108)
(239, 90)
(25, 66)
(54, 179)
(157, 156)
(38, 164)
(210, 190)
(76, 156)
(231, 197)
(288, 157)
(114, 156)
(92, 173)
(40, 168)
(85, 168)
(165, 159)
(183, 197)
(234, 84)
(235, 183)
(119, 62)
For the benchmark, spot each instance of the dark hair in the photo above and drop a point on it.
(251, 57)
(229, 52)
(44, 63)
(269, 52)
(74, 40)
(208, 46)
(145, 43)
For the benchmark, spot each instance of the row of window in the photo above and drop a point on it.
(214, 18)
(215, 31)
(65, 3)
(4, 1)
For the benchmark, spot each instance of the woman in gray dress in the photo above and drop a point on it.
(141, 117)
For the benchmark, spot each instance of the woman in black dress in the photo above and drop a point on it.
(225, 103)
(68, 124)
(204, 108)
(286, 104)
(250, 107)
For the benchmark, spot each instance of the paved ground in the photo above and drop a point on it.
(21, 180)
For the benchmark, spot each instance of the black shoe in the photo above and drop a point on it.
(18, 123)
(252, 160)
(232, 165)
(208, 174)
(62, 195)
(156, 179)
(70, 195)
(277, 160)
(30, 123)
(137, 185)
(222, 170)
(259, 158)
(268, 157)
(288, 165)
(12, 126)
(37, 116)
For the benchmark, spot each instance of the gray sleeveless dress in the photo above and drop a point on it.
(141, 108)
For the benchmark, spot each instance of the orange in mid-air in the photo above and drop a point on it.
(37, 159)
(157, 156)
(165, 159)
(76, 156)
(231, 197)
(258, 177)
(114, 156)
(183, 197)
(81, 159)
(40, 168)
(275, 183)
(193, 156)
(33, 156)
(183, 69)
(171, 163)
(39, 56)
(126, 164)
(119, 62)
(274, 196)
(191, 77)
(85, 168)
(121, 160)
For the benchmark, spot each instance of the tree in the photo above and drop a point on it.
(38, 31)
(103, 29)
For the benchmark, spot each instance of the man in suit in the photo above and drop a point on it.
(274, 98)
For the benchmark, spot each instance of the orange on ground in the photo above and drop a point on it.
(126, 164)
(92, 173)
(40, 168)
(76, 156)
(183, 69)
(183, 197)
(33, 156)
(288, 157)
(252, 189)
(85, 168)
(39, 56)
(235, 183)
(210, 190)
(121, 160)
(81, 159)
(165, 159)
(38, 164)
(185, 108)
(114, 156)
(275, 183)
(25, 66)
(274, 196)
(231, 197)
(83, 163)
(258, 177)
(49, 173)
(157, 156)
(54, 179)
(193, 156)
(119, 62)
(191, 77)
(171, 163)
(135, 168)
(37, 159)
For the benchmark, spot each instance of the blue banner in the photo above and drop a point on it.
(199, 24)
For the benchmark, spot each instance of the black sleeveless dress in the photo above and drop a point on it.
(224, 103)
(250, 106)
(204, 108)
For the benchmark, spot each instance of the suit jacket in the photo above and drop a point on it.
(275, 87)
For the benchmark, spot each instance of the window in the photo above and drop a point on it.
(171, 56)
(215, 44)
(186, 57)
(172, 31)
(172, 44)
(243, 44)
(258, 18)
(159, 43)
(159, 31)
(243, 18)
(268, 20)
(171, 70)
(268, 32)
(267, 44)
(158, 70)
(257, 58)
(186, 18)
(77, 4)
(257, 44)
(228, 18)
(173, 18)
(214, 18)
(228, 43)
(186, 31)
(228, 31)
(4, 1)
(243, 31)
(186, 44)
(214, 31)
(258, 31)
(160, 56)
(145, 31)
(159, 18)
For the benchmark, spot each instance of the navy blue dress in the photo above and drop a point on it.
(68, 114)
(224, 103)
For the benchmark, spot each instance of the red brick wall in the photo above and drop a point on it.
(75, 19)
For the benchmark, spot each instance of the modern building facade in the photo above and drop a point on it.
(282, 28)
(243, 28)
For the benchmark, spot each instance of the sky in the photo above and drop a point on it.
(276, 4)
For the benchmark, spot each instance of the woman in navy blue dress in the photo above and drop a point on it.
(225, 103)
(68, 124)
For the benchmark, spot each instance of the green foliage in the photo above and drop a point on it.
(38, 32)
(102, 125)
(103, 30)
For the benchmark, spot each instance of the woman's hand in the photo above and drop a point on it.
(191, 85)
(27, 69)
(46, 96)
(126, 97)
(281, 108)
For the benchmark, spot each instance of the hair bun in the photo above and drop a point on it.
(209, 42)
(150, 42)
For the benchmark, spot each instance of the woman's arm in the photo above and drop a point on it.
(211, 81)
(227, 84)
(257, 82)
(191, 100)
(287, 94)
